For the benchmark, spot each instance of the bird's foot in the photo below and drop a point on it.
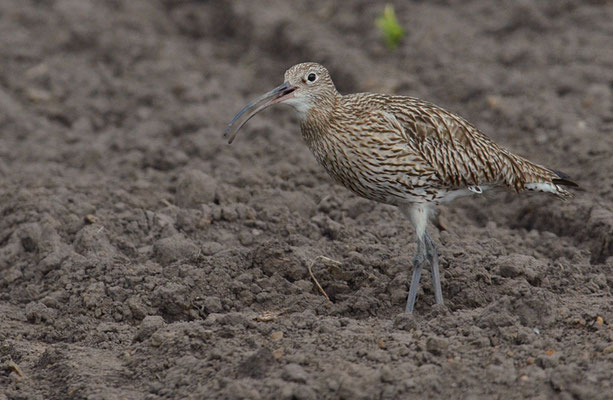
(432, 255)
(418, 264)
(426, 254)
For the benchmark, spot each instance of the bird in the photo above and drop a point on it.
(402, 151)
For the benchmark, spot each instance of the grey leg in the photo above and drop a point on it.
(432, 256)
(418, 265)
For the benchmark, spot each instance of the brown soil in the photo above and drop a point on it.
(143, 257)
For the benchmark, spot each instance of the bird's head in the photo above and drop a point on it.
(306, 85)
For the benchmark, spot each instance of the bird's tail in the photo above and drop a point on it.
(540, 179)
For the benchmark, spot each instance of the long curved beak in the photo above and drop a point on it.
(277, 95)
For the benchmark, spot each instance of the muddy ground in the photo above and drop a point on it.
(141, 257)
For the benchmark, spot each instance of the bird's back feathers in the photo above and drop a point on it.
(441, 151)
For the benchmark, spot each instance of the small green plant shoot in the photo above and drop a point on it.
(388, 25)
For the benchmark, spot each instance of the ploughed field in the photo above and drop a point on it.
(143, 257)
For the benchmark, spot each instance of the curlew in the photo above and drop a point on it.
(401, 151)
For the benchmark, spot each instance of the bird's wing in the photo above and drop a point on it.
(459, 152)
(446, 149)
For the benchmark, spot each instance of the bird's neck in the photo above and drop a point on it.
(316, 121)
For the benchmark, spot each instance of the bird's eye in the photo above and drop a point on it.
(311, 77)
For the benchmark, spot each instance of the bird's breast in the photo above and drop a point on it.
(375, 169)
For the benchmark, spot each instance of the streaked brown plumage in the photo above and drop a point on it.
(401, 151)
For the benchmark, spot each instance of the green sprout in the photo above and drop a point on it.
(388, 25)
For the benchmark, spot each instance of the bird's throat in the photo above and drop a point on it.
(301, 107)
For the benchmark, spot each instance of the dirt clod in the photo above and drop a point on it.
(148, 326)
(295, 373)
(437, 345)
(195, 188)
(174, 248)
